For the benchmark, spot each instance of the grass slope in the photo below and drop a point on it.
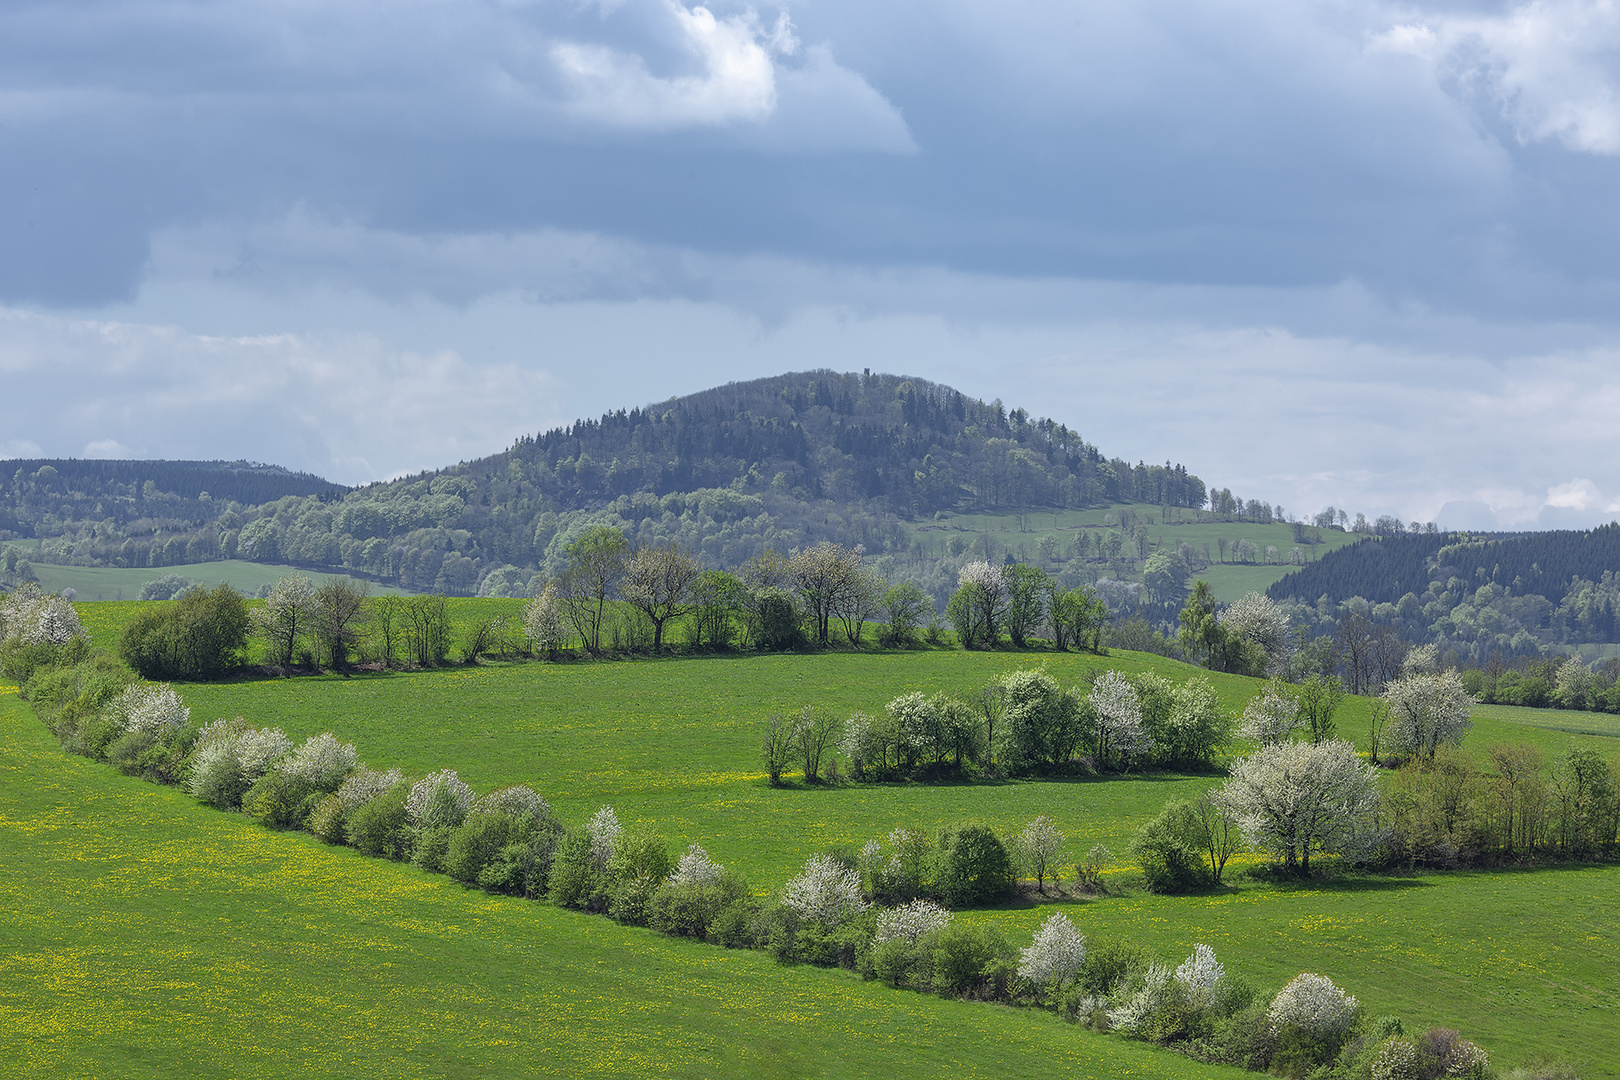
(1019, 532)
(148, 937)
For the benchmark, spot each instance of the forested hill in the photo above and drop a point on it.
(1384, 570)
(908, 446)
(778, 462)
(163, 495)
(1507, 594)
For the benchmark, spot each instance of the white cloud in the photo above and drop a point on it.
(1549, 67)
(1578, 494)
(331, 403)
(736, 80)
(107, 448)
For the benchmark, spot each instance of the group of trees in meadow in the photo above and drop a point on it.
(1019, 724)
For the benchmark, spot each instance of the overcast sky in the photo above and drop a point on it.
(1320, 251)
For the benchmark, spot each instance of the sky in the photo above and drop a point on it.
(1322, 252)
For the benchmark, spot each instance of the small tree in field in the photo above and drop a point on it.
(543, 622)
(812, 735)
(287, 615)
(1426, 712)
(1271, 715)
(1118, 732)
(779, 745)
(1315, 1006)
(1038, 846)
(1294, 798)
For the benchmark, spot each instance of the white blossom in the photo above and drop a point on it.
(1396, 1059)
(1200, 973)
(259, 748)
(859, 744)
(1258, 619)
(1427, 712)
(321, 761)
(32, 617)
(1314, 1005)
(1295, 798)
(440, 798)
(149, 708)
(1119, 716)
(696, 868)
(826, 892)
(518, 801)
(1270, 716)
(543, 620)
(363, 786)
(604, 830)
(987, 576)
(1145, 1001)
(1056, 954)
(909, 922)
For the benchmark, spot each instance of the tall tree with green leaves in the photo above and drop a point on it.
(596, 562)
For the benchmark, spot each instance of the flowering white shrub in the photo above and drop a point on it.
(859, 744)
(1397, 1059)
(31, 617)
(1467, 1060)
(363, 786)
(1427, 712)
(259, 748)
(149, 708)
(1147, 999)
(1199, 974)
(1270, 716)
(909, 922)
(215, 777)
(1258, 619)
(518, 801)
(696, 868)
(604, 830)
(1056, 954)
(438, 799)
(826, 892)
(543, 621)
(1314, 1005)
(1294, 799)
(321, 761)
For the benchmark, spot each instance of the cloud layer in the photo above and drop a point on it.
(1364, 253)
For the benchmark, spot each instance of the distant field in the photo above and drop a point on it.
(146, 936)
(113, 583)
(1020, 533)
(1568, 721)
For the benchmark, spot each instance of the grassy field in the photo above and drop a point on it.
(113, 583)
(1523, 961)
(1020, 533)
(148, 937)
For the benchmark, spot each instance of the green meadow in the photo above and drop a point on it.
(146, 936)
(102, 867)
